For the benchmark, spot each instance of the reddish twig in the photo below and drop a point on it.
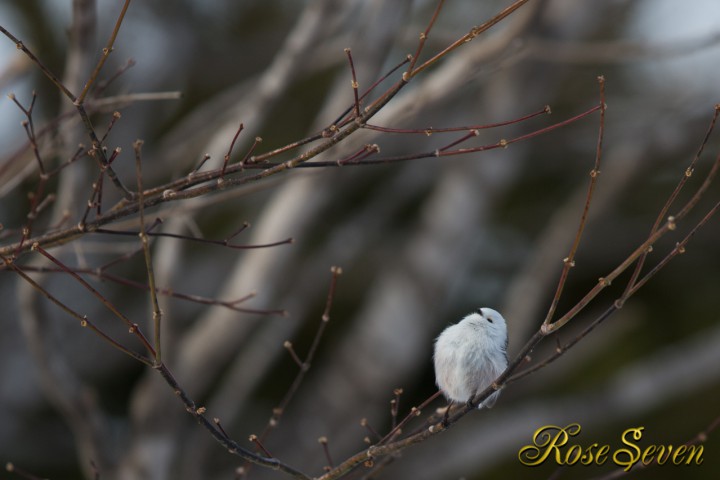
(190, 238)
(304, 365)
(226, 159)
(324, 442)
(83, 319)
(569, 261)
(468, 37)
(354, 82)
(133, 328)
(105, 54)
(663, 212)
(432, 130)
(198, 413)
(421, 43)
(156, 312)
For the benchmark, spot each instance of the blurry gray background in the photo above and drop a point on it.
(420, 243)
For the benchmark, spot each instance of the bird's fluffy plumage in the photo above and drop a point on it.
(470, 355)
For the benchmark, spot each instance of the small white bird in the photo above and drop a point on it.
(470, 355)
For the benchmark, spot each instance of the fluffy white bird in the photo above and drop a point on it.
(470, 355)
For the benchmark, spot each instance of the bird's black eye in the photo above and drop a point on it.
(489, 319)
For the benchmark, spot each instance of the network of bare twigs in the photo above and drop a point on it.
(34, 239)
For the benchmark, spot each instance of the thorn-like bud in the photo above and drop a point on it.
(323, 440)
(567, 261)
(680, 248)
(671, 223)
(201, 410)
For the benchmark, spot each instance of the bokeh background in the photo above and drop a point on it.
(421, 243)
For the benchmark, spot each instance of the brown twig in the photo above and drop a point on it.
(219, 435)
(421, 43)
(95, 141)
(394, 406)
(354, 83)
(226, 159)
(100, 273)
(133, 328)
(569, 261)
(669, 225)
(304, 365)
(48, 73)
(83, 319)
(468, 37)
(671, 199)
(156, 312)
(324, 442)
(105, 54)
(37, 201)
(190, 238)
(428, 131)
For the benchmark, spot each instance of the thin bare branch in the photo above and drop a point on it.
(663, 212)
(156, 312)
(569, 261)
(468, 37)
(105, 54)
